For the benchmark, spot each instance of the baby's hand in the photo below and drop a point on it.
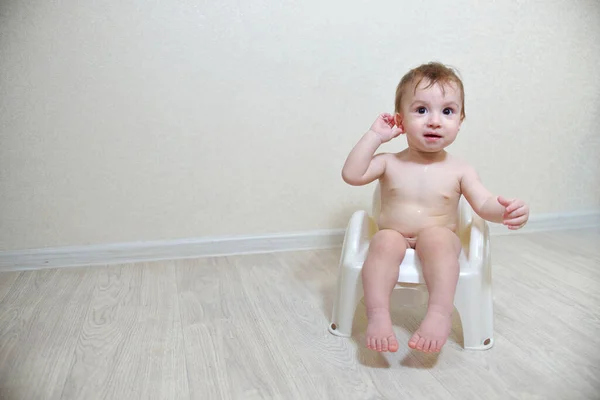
(384, 127)
(516, 213)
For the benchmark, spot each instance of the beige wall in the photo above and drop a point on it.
(176, 119)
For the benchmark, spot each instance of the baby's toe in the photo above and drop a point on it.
(441, 344)
(384, 344)
(434, 347)
(393, 344)
(371, 343)
(426, 345)
(412, 343)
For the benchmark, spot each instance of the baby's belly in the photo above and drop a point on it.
(410, 219)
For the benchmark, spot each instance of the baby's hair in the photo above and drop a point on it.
(434, 72)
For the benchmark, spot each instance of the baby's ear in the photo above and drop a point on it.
(399, 122)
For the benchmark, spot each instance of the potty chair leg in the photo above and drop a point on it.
(349, 293)
(473, 301)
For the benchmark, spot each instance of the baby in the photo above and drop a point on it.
(420, 190)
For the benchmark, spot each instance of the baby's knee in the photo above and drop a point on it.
(388, 240)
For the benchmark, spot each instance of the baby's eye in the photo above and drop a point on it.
(448, 111)
(421, 110)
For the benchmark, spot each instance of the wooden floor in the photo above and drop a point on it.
(255, 327)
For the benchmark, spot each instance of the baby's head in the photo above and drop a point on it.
(430, 74)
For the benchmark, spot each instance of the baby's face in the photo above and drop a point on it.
(431, 117)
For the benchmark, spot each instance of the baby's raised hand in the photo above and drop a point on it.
(384, 127)
(516, 213)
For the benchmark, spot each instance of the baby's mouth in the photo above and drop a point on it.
(433, 135)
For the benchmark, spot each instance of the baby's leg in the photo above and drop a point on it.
(379, 276)
(438, 249)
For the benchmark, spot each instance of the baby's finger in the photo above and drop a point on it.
(516, 213)
(514, 228)
(387, 117)
(396, 132)
(515, 221)
(514, 205)
(504, 201)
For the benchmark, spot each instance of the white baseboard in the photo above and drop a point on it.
(552, 222)
(120, 253)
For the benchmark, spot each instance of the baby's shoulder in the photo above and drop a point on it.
(389, 157)
(394, 164)
(460, 165)
(398, 157)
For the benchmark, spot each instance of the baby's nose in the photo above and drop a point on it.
(434, 119)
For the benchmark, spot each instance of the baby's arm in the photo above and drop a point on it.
(361, 166)
(512, 213)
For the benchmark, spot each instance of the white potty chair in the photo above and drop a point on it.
(473, 297)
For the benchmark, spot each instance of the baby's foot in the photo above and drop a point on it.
(433, 332)
(380, 335)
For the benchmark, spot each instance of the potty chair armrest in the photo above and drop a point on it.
(359, 232)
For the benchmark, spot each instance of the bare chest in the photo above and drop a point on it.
(422, 183)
